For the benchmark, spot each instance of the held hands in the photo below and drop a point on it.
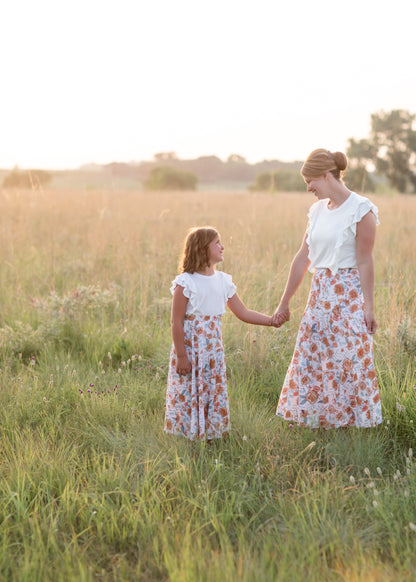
(281, 315)
(183, 365)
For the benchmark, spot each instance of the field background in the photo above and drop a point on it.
(92, 489)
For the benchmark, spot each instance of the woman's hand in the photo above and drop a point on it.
(370, 321)
(281, 315)
(183, 365)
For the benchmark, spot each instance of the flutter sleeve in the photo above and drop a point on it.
(229, 287)
(185, 281)
(355, 212)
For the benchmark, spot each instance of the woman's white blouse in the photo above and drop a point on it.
(331, 233)
(207, 294)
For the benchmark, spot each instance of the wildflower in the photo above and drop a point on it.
(367, 471)
(406, 493)
(375, 504)
(109, 356)
(91, 385)
(244, 438)
(352, 479)
(412, 526)
(290, 425)
(375, 492)
(379, 471)
(400, 407)
(370, 485)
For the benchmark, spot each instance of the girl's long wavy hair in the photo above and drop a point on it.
(195, 251)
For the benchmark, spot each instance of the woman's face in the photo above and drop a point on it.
(319, 186)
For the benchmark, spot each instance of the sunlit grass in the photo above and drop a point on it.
(90, 486)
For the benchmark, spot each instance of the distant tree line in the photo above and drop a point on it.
(166, 167)
(26, 179)
(388, 155)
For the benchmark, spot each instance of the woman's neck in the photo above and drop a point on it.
(338, 196)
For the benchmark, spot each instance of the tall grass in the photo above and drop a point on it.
(90, 486)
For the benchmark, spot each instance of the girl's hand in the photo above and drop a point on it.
(183, 366)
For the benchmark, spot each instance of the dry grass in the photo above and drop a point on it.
(91, 488)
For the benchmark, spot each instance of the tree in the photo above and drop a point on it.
(393, 135)
(394, 138)
(165, 157)
(361, 155)
(390, 150)
(236, 159)
(169, 178)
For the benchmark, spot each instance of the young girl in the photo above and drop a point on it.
(197, 399)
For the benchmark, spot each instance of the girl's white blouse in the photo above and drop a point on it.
(331, 233)
(207, 294)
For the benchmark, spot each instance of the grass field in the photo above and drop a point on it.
(90, 486)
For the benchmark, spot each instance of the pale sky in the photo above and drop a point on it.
(120, 80)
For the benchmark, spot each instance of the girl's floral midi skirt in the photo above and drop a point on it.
(197, 404)
(331, 381)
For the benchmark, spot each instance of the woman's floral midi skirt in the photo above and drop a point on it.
(331, 381)
(197, 404)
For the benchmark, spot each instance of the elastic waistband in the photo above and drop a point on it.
(328, 272)
(193, 317)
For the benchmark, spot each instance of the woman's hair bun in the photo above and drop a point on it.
(340, 160)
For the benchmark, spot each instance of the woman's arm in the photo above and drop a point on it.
(297, 272)
(365, 238)
(247, 315)
(179, 303)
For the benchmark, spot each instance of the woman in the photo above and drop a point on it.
(331, 381)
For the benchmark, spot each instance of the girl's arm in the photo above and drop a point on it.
(365, 237)
(297, 272)
(247, 315)
(183, 365)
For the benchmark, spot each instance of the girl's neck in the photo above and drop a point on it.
(208, 270)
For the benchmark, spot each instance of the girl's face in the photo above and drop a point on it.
(215, 251)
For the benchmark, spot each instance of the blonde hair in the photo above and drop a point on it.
(195, 255)
(321, 161)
